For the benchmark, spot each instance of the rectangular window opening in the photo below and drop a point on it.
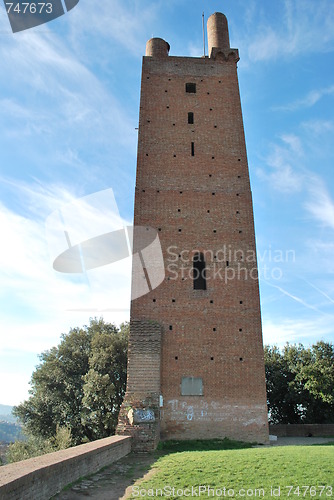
(191, 118)
(191, 88)
(199, 272)
(192, 149)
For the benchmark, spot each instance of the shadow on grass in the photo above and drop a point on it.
(202, 445)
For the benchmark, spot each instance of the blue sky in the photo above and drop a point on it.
(69, 101)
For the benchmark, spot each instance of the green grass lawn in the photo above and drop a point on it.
(255, 472)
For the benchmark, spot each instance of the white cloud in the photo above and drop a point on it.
(124, 24)
(312, 98)
(283, 175)
(14, 388)
(318, 127)
(29, 282)
(304, 27)
(292, 330)
(320, 204)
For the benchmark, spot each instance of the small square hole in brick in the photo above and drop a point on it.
(240, 329)
(240, 301)
(214, 329)
(173, 300)
(171, 327)
(176, 358)
(211, 301)
(212, 358)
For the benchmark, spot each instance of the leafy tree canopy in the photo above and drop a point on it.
(79, 385)
(300, 383)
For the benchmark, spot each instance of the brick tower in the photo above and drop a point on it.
(195, 366)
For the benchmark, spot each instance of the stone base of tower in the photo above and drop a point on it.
(182, 419)
(139, 415)
(139, 418)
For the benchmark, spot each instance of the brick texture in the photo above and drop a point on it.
(43, 477)
(193, 187)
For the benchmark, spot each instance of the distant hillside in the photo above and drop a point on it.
(6, 414)
(10, 430)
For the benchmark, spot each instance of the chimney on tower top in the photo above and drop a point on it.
(218, 37)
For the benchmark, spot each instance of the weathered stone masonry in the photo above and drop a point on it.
(196, 366)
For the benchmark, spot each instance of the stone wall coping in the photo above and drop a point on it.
(14, 471)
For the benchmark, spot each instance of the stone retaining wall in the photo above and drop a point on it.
(42, 477)
(302, 430)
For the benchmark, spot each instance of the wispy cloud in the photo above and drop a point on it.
(320, 205)
(318, 127)
(293, 297)
(312, 98)
(304, 27)
(292, 330)
(283, 175)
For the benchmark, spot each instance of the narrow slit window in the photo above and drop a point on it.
(199, 278)
(191, 88)
(192, 149)
(191, 118)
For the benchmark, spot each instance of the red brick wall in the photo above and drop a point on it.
(201, 202)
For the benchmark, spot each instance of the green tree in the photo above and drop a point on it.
(300, 383)
(35, 446)
(282, 394)
(105, 382)
(57, 385)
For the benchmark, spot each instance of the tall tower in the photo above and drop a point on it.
(195, 367)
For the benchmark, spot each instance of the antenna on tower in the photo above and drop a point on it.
(203, 33)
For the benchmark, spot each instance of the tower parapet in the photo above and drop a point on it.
(157, 47)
